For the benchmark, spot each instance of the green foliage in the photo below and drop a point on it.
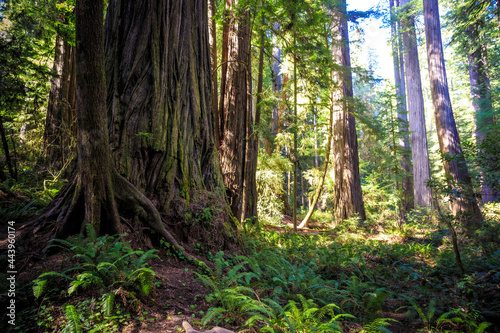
(270, 179)
(107, 266)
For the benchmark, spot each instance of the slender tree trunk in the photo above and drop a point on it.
(399, 81)
(419, 150)
(277, 85)
(60, 125)
(237, 118)
(449, 141)
(223, 77)
(250, 198)
(212, 40)
(295, 139)
(316, 156)
(3, 176)
(348, 194)
(481, 99)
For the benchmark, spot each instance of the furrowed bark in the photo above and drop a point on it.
(449, 141)
(416, 112)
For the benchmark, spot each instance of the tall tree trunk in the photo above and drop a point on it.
(159, 97)
(235, 151)
(295, 156)
(399, 81)
(316, 156)
(60, 124)
(277, 85)
(348, 194)
(94, 158)
(449, 141)
(481, 99)
(253, 149)
(223, 77)
(212, 40)
(419, 150)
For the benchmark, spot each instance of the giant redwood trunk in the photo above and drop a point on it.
(348, 195)
(449, 141)
(60, 126)
(416, 112)
(159, 97)
(236, 152)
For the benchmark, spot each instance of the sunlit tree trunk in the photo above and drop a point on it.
(236, 152)
(295, 155)
(481, 99)
(399, 81)
(277, 85)
(449, 141)
(212, 40)
(348, 196)
(416, 112)
(159, 97)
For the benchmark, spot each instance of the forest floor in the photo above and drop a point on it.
(180, 295)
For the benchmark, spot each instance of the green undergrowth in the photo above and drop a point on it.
(100, 292)
(33, 192)
(355, 282)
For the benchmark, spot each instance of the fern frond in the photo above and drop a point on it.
(146, 280)
(73, 323)
(75, 284)
(211, 314)
(39, 287)
(431, 310)
(108, 301)
(418, 309)
(378, 325)
(482, 327)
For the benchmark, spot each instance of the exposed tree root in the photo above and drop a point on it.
(128, 194)
(67, 211)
